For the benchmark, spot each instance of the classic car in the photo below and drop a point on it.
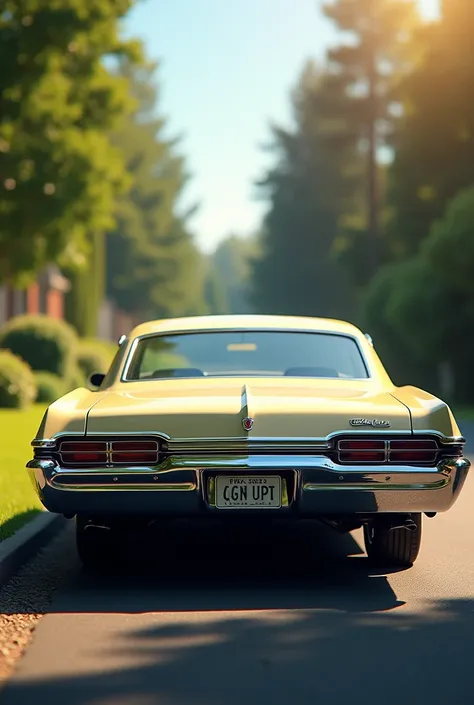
(247, 418)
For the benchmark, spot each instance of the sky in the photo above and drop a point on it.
(226, 70)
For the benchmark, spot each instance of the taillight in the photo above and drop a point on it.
(413, 451)
(134, 452)
(410, 451)
(109, 453)
(362, 451)
(84, 452)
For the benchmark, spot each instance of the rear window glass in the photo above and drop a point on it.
(246, 353)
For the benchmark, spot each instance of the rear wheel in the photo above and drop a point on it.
(397, 546)
(97, 546)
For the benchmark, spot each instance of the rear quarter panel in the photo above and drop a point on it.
(428, 413)
(68, 414)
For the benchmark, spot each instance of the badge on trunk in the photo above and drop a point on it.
(377, 423)
(247, 423)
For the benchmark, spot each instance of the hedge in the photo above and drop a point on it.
(92, 357)
(49, 387)
(17, 382)
(45, 344)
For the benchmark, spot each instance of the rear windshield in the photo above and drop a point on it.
(248, 353)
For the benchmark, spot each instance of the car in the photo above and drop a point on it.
(247, 419)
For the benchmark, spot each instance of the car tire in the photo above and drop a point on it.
(396, 547)
(97, 548)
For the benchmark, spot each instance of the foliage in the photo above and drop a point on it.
(435, 141)
(60, 173)
(106, 347)
(87, 288)
(49, 387)
(46, 344)
(215, 291)
(363, 72)
(17, 382)
(294, 272)
(153, 267)
(232, 261)
(422, 308)
(75, 379)
(92, 358)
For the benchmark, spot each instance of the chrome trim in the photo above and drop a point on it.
(53, 473)
(118, 487)
(126, 366)
(44, 443)
(384, 479)
(253, 462)
(38, 442)
(361, 489)
(244, 443)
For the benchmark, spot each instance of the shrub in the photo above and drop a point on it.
(49, 387)
(106, 347)
(75, 379)
(92, 357)
(45, 344)
(17, 382)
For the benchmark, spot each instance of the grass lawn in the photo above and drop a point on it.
(18, 503)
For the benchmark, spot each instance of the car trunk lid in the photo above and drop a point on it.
(216, 408)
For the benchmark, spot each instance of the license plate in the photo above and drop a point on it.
(248, 492)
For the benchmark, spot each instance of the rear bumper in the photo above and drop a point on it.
(315, 486)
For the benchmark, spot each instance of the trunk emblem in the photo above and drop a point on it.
(377, 423)
(247, 423)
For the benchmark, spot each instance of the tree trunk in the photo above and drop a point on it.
(372, 181)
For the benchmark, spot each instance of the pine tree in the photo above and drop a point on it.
(365, 68)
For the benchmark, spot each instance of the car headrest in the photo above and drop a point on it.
(179, 372)
(311, 372)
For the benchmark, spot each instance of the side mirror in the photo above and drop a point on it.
(96, 379)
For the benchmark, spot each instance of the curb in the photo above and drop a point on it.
(19, 548)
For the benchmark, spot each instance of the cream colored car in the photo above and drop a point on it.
(248, 419)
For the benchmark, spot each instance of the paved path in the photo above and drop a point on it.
(303, 622)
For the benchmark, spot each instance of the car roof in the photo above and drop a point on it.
(244, 321)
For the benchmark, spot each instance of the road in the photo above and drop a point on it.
(295, 618)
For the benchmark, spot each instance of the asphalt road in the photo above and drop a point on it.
(292, 618)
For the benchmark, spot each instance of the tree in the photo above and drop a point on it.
(420, 310)
(295, 272)
(87, 290)
(215, 291)
(435, 145)
(232, 259)
(59, 173)
(364, 70)
(153, 266)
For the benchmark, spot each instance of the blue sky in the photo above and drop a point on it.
(226, 71)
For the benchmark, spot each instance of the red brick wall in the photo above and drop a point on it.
(55, 304)
(33, 298)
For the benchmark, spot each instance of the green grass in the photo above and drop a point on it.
(18, 502)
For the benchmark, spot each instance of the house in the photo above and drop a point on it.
(45, 295)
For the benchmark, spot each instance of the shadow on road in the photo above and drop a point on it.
(335, 635)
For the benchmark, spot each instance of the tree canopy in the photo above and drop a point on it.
(295, 271)
(153, 267)
(59, 172)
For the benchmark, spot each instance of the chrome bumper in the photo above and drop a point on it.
(317, 485)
